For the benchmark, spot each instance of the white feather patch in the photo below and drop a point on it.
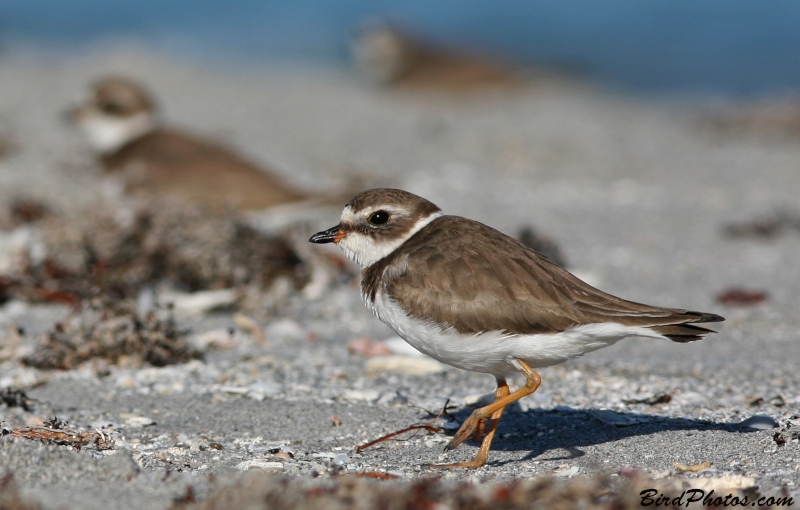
(494, 352)
(106, 134)
(364, 250)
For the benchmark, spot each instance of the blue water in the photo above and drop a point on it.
(735, 47)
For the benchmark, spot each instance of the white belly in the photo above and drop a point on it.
(492, 352)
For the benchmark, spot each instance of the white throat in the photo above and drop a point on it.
(365, 251)
(107, 134)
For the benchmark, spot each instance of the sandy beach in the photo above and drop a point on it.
(636, 191)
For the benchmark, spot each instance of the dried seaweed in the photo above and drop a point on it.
(545, 245)
(768, 226)
(741, 297)
(16, 398)
(659, 398)
(65, 437)
(116, 251)
(116, 333)
(379, 490)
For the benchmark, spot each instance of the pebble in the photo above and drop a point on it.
(365, 346)
(567, 473)
(451, 425)
(261, 390)
(261, 465)
(324, 455)
(199, 303)
(759, 422)
(136, 420)
(410, 365)
(363, 395)
(319, 468)
(288, 330)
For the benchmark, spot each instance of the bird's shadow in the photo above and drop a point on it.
(544, 430)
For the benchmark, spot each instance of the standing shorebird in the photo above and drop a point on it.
(120, 121)
(474, 298)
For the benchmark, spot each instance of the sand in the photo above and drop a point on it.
(636, 191)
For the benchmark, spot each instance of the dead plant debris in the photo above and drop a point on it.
(430, 427)
(694, 468)
(112, 331)
(22, 211)
(543, 244)
(116, 251)
(741, 297)
(767, 226)
(776, 401)
(16, 398)
(659, 398)
(380, 490)
(65, 436)
(378, 475)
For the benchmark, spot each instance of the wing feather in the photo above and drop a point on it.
(499, 284)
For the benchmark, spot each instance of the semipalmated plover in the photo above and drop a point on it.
(120, 121)
(387, 54)
(474, 298)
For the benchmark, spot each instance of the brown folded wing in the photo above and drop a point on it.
(463, 274)
(178, 165)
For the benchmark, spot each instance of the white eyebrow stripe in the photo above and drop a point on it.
(348, 215)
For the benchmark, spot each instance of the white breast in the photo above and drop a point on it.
(493, 352)
(106, 134)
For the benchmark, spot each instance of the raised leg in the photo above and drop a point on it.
(493, 412)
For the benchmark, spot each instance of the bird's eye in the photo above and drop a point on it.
(111, 108)
(379, 218)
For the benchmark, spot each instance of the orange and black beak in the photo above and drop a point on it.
(332, 235)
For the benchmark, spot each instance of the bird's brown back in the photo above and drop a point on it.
(463, 274)
(177, 165)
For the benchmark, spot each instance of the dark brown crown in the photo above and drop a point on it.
(121, 97)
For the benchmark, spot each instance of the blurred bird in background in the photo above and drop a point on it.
(121, 123)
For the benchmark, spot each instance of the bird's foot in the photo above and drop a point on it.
(471, 426)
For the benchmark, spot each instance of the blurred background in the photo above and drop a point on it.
(652, 147)
(600, 130)
(732, 47)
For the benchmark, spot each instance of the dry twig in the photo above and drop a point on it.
(69, 437)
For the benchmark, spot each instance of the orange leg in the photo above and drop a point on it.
(482, 424)
(493, 411)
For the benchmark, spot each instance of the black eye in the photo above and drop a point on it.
(111, 108)
(379, 218)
